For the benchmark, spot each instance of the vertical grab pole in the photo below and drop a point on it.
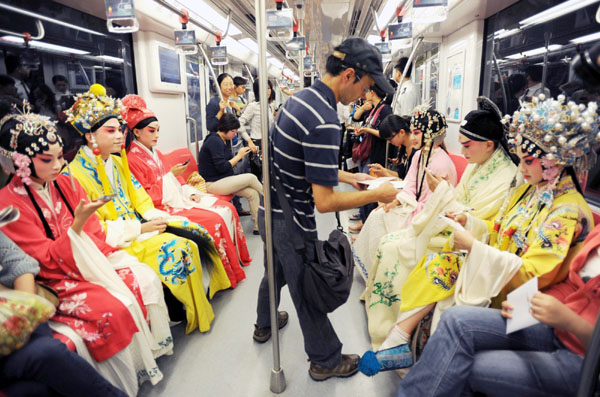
(277, 383)
(212, 71)
(249, 74)
(397, 93)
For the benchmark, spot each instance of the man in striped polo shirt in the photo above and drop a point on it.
(305, 140)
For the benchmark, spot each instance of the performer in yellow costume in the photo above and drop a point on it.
(482, 189)
(537, 232)
(130, 220)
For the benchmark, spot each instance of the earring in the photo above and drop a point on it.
(95, 148)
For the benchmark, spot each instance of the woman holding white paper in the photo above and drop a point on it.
(537, 231)
(471, 352)
(484, 186)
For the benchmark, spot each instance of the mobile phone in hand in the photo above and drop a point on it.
(185, 162)
(107, 197)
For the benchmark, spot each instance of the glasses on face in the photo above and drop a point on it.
(365, 88)
(392, 137)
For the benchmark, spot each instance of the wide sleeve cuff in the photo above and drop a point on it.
(121, 232)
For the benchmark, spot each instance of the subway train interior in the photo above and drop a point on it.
(443, 151)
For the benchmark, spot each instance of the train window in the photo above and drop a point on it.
(65, 61)
(427, 73)
(194, 99)
(528, 48)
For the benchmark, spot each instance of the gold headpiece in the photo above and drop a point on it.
(91, 107)
(551, 130)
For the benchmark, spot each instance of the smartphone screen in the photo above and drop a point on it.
(185, 162)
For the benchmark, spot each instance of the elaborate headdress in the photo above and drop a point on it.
(559, 134)
(135, 110)
(22, 136)
(431, 122)
(92, 107)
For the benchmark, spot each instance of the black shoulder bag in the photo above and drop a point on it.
(328, 277)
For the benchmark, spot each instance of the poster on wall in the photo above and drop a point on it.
(456, 70)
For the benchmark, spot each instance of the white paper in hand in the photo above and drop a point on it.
(520, 299)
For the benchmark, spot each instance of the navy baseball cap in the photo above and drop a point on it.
(359, 54)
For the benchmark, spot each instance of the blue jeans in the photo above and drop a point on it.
(470, 352)
(320, 340)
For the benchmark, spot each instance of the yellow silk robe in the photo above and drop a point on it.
(175, 259)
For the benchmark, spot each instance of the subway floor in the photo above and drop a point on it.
(227, 362)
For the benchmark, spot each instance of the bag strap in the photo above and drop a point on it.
(288, 215)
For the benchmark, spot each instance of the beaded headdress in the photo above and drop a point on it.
(92, 107)
(23, 135)
(431, 122)
(558, 133)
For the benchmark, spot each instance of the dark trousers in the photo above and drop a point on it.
(320, 340)
(45, 367)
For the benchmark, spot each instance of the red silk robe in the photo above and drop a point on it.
(149, 174)
(102, 321)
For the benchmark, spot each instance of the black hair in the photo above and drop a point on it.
(257, 93)
(228, 122)
(335, 66)
(239, 80)
(535, 72)
(101, 122)
(402, 64)
(391, 126)
(144, 123)
(59, 77)
(390, 97)
(12, 62)
(516, 82)
(6, 80)
(222, 77)
(381, 94)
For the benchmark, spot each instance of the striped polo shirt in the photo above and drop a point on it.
(305, 143)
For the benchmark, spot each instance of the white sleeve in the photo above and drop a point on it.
(485, 271)
(121, 232)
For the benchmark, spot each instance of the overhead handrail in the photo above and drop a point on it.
(212, 71)
(27, 36)
(47, 19)
(401, 4)
(192, 20)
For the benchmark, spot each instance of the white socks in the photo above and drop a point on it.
(396, 337)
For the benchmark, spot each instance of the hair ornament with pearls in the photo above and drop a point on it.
(92, 107)
(560, 134)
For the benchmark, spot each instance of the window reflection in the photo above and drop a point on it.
(48, 72)
(528, 51)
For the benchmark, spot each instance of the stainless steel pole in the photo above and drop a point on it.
(277, 376)
(397, 93)
(249, 74)
(211, 70)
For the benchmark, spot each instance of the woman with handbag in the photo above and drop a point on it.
(146, 163)
(32, 362)
(371, 148)
(216, 164)
(106, 297)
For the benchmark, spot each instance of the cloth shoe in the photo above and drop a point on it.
(261, 335)
(397, 357)
(346, 368)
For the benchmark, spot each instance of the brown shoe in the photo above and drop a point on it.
(261, 335)
(347, 367)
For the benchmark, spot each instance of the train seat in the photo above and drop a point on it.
(460, 163)
(179, 156)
